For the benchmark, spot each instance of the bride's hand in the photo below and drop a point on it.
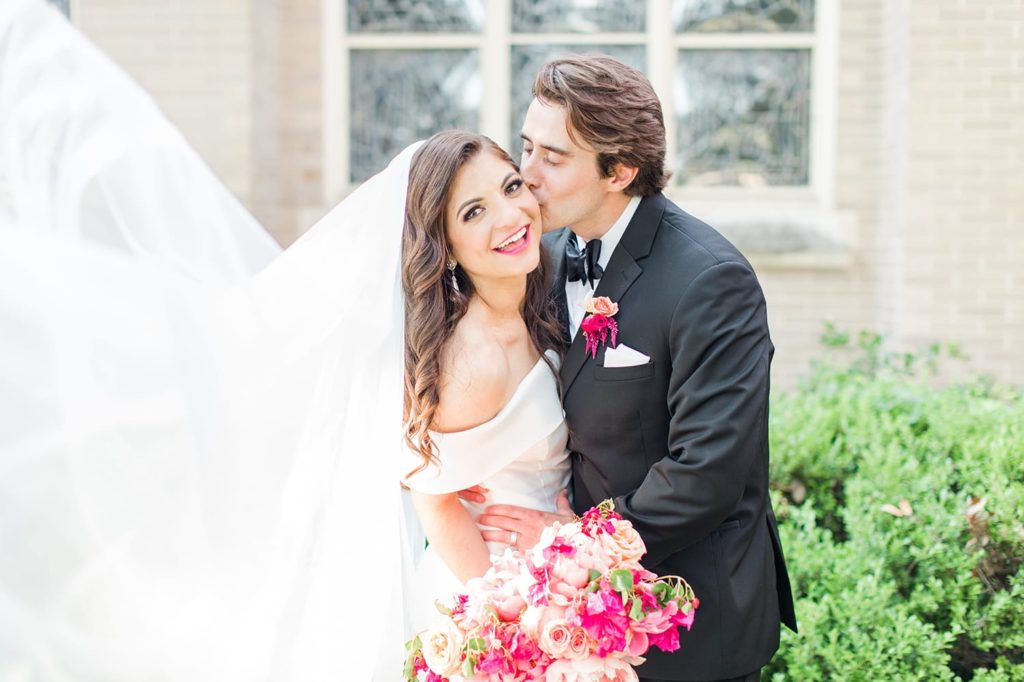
(520, 527)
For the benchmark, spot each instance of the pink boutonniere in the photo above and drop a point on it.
(598, 325)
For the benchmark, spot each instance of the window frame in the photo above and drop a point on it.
(661, 42)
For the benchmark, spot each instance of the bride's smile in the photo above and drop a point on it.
(493, 221)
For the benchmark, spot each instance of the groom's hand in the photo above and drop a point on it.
(520, 527)
(477, 494)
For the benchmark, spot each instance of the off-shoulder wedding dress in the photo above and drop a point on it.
(519, 455)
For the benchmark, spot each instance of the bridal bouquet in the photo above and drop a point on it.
(577, 606)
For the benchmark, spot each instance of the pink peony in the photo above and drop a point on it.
(536, 618)
(637, 643)
(590, 669)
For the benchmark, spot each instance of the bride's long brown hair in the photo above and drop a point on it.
(433, 305)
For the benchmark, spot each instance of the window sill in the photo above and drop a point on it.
(774, 235)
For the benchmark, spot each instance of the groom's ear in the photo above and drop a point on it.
(621, 177)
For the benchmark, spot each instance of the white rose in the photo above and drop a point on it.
(442, 648)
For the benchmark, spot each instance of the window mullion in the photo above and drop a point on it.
(661, 62)
(495, 67)
(334, 93)
(413, 41)
(824, 69)
(578, 38)
(745, 41)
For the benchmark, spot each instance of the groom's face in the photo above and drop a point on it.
(563, 175)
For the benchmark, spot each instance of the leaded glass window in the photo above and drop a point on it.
(743, 108)
(415, 16)
(734, 76)
(743, 117)
(735, 16)
(426, 91)
(573, 16)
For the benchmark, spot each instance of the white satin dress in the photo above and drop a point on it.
(519, 455)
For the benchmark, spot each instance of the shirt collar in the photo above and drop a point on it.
(611, 238)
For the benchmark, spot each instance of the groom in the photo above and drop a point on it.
(673, 423)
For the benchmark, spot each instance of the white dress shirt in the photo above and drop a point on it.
(576, 293)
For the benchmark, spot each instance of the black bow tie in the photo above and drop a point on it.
(582, 265)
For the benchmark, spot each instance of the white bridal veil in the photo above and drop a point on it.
(197, 478)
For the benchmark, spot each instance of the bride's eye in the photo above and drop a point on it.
(513, 187)
(473, 212)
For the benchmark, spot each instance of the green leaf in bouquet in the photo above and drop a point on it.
(412, 648)
(469, 667)
(622, 580)
(636, 609)
(442, 609)
(594, 575)
(662, 592)
(476, 644)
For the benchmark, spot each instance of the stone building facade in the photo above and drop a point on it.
(912, 223)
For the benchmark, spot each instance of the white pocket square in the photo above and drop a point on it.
(624, 356)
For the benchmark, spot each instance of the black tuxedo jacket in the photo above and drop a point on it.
(681, 443)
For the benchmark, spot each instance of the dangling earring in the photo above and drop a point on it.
(451, 268)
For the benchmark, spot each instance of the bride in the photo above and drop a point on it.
(482, 402)
(203, 440)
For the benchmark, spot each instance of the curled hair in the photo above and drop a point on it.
(615, 110)
(433, 305)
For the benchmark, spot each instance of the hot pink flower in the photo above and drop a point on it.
(606, 621)
(667, 640)
(558, 547)
(596, 329)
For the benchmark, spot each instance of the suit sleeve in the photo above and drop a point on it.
(718, 403)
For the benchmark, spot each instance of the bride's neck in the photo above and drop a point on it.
(501, 300)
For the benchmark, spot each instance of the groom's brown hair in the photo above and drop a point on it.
(615, 111)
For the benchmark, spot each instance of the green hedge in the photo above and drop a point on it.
(901, 508)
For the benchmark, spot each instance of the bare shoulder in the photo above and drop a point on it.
(474, 379)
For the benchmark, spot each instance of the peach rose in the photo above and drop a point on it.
(601, 305)
(579, 644)
(624, 546)
(442, 648)
(554, 639)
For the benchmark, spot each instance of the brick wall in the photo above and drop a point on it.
(964, 249)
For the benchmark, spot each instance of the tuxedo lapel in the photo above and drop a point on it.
(620, 274)
(557, 256)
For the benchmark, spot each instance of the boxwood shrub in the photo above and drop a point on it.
(900, 500)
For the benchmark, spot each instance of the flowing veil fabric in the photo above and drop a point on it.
(199, 438)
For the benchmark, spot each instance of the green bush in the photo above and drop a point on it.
(900, 507)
